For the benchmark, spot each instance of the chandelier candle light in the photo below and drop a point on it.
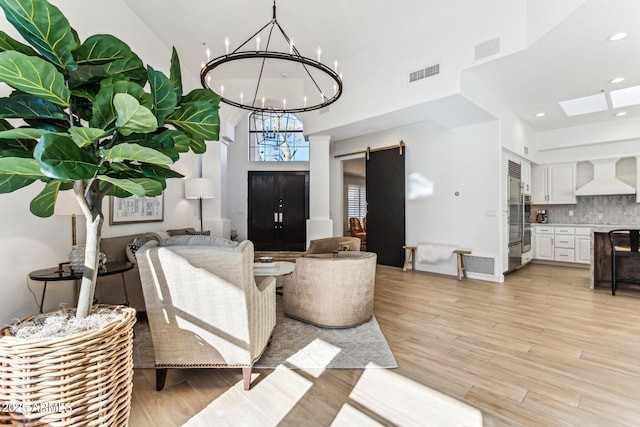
(268, 66)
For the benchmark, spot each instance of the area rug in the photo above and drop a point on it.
(298, 345)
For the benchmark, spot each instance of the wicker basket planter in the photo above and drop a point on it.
(82, 379)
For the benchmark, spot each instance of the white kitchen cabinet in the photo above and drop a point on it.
(543, 245)
(583, 245)
(553, 184)
(525, 174)
(570, 244)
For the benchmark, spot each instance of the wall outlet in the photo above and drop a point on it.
(570, 213)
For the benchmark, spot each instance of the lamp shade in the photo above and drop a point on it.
(66, 204)
(198, 188)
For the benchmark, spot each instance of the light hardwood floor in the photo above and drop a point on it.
(541, 349)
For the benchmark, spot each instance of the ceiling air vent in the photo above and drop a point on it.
(423, 73)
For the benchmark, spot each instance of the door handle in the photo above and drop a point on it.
(275, 217)
(280, 217)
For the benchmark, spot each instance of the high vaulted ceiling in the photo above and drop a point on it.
(572, 60)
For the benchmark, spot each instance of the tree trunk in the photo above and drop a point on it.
(92, 249)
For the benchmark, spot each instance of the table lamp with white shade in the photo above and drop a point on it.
(67, 205)
(198, 188)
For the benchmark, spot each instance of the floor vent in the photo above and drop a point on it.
(488, 48)
(423, 73)
(479, 264)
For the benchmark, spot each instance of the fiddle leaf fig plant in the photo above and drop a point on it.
(89, 116)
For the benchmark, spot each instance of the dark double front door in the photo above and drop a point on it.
(278, 210)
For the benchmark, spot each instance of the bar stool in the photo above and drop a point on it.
(624, 243)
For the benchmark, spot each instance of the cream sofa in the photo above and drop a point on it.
(204, 306)
(331, 290)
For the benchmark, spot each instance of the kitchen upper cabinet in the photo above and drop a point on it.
(525, 173)
(553, 184)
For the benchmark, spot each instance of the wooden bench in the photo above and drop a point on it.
(410, 257)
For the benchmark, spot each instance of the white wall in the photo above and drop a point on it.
(29, 243)
(448, 39)
(464, 160)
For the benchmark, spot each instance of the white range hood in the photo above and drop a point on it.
(604, 180)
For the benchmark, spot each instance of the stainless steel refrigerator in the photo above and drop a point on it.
(515, 213)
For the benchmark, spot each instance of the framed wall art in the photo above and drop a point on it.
(136, 209)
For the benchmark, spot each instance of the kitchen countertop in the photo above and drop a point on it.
(598, 226)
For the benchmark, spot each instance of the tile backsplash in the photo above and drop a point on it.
(621, 209)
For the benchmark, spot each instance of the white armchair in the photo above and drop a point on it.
(204, 307)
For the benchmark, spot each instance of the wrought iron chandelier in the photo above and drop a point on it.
(268, 69)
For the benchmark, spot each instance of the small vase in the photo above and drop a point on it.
(76, 258)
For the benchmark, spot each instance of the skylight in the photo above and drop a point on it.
(584, 105)
(625, 97)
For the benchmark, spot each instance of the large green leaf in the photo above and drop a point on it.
(122, 187)
(45, 202)
(30, 107)
(104, 112)
(9, 183)
(164, 96)
(52, 125)
(112, 55)
(17, 147)
(178, 140)
(9, 43)
(198, 119)
(131, 117)
(26, 133)
(45, 28)
(151, 187)
(61, 158)
(84, 136)
(202, 95)
(175, 74)
(34, 76)
(198, 146)
(101, 49)
(155, 171)
(29, 168)
(135, 153)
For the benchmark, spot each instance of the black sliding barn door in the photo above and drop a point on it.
(278, 210)
(385, 205)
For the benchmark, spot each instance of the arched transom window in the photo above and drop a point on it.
(276, 137)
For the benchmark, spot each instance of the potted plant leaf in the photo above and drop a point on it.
(87, 116)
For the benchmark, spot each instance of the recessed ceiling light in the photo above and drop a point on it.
(617, 80)
(540, 115)
(617, 36)
(621, 113)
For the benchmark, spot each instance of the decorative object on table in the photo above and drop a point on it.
(266, 259)
(85, 122)
(198, 188)
(76, 259)
(277, 62)
(136, 209)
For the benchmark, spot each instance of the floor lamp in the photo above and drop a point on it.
(198, 188)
